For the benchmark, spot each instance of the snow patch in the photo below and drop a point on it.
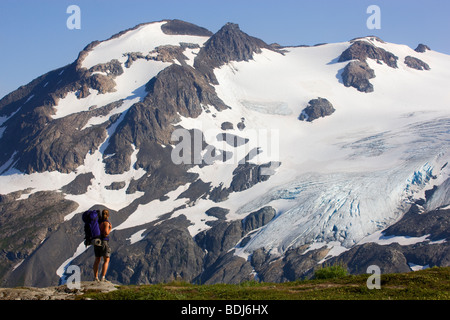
(379, 238)
(136, 237)
(149, 212)
(130, 86)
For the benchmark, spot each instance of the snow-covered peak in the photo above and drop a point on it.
(144, 39)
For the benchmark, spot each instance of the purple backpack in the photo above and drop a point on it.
(91, 226)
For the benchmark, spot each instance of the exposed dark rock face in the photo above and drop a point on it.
(165, 53)
(50, 144)
(258, 219)
(60, 146)
(218, 212)
(167, 253)
(293, 265)
(415, 63)
(361, 50)
(317, 108)
(394, 257)
(220, 239)
(247, 175)
(228, 44)
(30, 108)
(26, 223)
(357, 74)
(196, 190)
(34, 119)
(422, 48)
(424, 254)
(102, 83)
(436, 223)
(184, 28)
(389, 258)
(241, 125)
(112, 68)
(116, 185)
(175, 90)
(228, 269)
(169, 53)
(79, 185)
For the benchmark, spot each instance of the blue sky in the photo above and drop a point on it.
(34, 38)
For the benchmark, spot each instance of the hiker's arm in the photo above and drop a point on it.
(108, 228)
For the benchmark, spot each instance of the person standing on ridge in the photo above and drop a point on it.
(104, 250)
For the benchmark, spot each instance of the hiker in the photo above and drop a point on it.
(104, 250)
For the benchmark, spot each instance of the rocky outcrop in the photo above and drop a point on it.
(165, 53)
(116, 185)
(435, 223)
(293, 265)
(25, 223)
(184, 28)
(415, 63)
(228, 44)
(245, 176)
(421, 48)
(166, 253)
(361, 50)
(389, 258)
(317, 108)
(112, 68)
(357, 74)
(79, 185)
(102, 83)
(218, 212)
(220, 239)
(62, 292)
(258, 219)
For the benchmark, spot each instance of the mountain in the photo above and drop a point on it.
(223, 158)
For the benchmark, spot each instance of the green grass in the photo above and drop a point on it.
(331, 272)
(429, 284)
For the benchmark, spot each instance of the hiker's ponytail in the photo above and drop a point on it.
(105, 214)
